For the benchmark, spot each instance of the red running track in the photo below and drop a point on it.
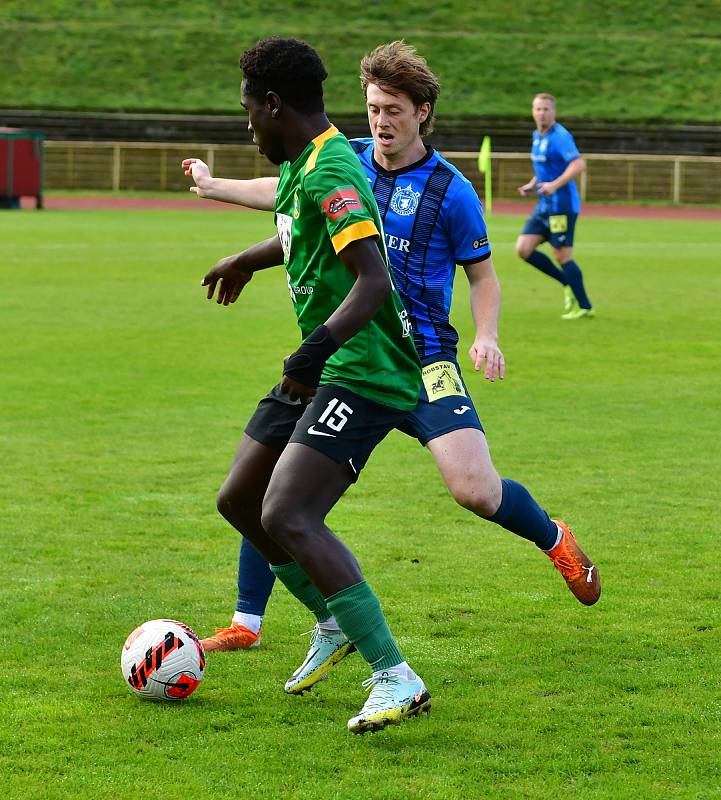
(74, 202)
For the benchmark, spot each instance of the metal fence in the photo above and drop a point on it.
(140, 166)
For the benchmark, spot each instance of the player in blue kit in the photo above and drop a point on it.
(433, 221)
(556, 164)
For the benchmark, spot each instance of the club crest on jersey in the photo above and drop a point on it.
(405, 201)
(341, 202)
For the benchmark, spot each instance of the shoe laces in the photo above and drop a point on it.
(382, 691)
(315, 634)
(568, 565)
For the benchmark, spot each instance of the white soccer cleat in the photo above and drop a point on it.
(326, 650)
(391, 700)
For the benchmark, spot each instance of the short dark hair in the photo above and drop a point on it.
(289, 67)
(397, 67)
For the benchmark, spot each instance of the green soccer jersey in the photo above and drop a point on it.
(323, 203)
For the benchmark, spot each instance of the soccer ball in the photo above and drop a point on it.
(162, 660)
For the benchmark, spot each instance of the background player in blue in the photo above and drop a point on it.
(433, 221)
(556, 163)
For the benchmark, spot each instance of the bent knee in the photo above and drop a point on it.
(281, 523)
(481, 502)
(524, 249)
(563, 254)
(234, 503)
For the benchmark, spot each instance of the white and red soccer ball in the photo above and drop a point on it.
(162, 660)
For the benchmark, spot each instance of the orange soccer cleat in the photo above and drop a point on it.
(236, 637)
(579, 572)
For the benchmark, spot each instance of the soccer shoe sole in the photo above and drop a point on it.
(577, 314)
(321, 672)
(393, 716)
(212, 647)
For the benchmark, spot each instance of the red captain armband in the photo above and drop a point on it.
(341, 202)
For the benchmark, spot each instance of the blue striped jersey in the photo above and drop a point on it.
(433, 221)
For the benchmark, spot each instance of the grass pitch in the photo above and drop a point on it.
(123, 395)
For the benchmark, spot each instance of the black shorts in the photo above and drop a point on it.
(337, 422)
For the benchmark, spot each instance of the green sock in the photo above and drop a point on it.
(360, 617)
(301, 586)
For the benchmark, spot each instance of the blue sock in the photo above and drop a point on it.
(521, 514)
(543, 262)
(255, 580)
(574, 278)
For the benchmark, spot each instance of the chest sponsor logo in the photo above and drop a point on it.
(405, 201)
(340, 203)
(441, 379)
(301, 290)
(397, 243)
(284, 224)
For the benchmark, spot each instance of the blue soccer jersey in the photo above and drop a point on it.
(551, 153)
(433, 221)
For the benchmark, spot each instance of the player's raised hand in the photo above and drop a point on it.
(228, 278)
(197, 170)
(487, 350)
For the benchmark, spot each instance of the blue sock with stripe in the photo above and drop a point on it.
(521, 514)
(574, 278)
(255, 580)
(541, 261)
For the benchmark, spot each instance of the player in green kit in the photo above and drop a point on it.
(355, 376)
(327, 178)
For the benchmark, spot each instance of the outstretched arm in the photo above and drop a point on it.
(232, 273)
(485, 307)
(256, 193)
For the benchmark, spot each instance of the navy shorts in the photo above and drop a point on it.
(337, 422)
(557, 229)
(444, 404)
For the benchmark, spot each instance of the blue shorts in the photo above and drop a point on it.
(557, 229)
(444, 404)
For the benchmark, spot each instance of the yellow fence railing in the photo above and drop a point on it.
(139, 166)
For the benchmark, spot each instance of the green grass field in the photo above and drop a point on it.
(605, 59)
(123, 395)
